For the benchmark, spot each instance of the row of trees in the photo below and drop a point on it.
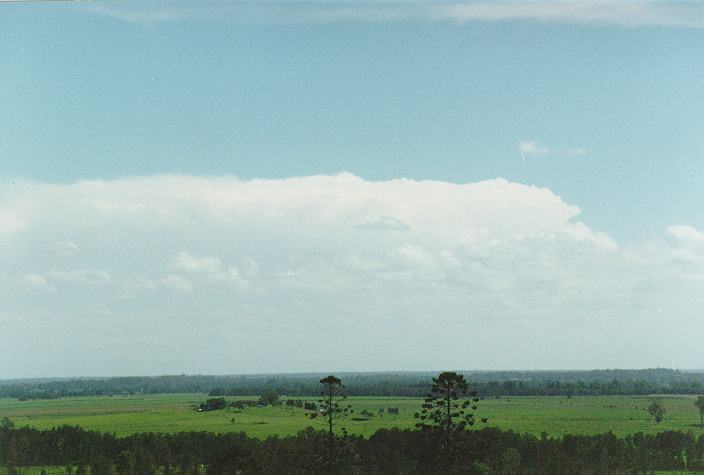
(487, 384)
(487, 450)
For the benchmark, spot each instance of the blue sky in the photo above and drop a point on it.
(599, 105)
(92, 96)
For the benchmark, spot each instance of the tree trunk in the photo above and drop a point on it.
(448, 420)
(331, 435)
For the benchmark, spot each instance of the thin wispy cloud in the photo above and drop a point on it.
(531, 148)
(628, 14)
(602, 13)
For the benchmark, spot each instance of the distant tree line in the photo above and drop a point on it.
(486, 450)
(487, 384)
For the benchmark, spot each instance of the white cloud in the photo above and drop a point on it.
(580, 232)
(328, 206)
(186, 261)
(213, 268)
(12, 217)
(298, 262)
(685, 235)
(531, 148)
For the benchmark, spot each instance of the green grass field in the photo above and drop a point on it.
(175, 412)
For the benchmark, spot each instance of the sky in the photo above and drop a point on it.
(223, 187)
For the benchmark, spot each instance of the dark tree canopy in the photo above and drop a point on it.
(656, 409)
(331, 410)
(269, 397)
(446, 408)
(448, 411)
(486, 450)
(700, 406)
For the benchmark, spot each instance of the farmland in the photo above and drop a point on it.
(171, 413)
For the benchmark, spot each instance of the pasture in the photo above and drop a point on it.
(123, 415)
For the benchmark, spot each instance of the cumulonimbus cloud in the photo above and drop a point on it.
(205, 264)
(432, 212)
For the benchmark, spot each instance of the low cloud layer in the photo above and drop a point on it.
(179, 274)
